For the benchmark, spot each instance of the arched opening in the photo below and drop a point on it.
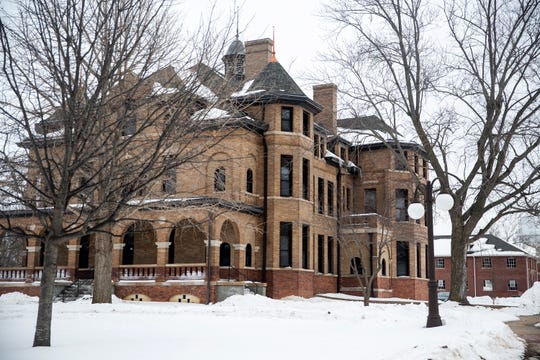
(139, 244)
(12, 250)
(356, 266)
(225, 254)
(383, 267)
(228, 235)
(84, 252)
(249, 181)
(187, 243)
(248, 255)
(219, 179)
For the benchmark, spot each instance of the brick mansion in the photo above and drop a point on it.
(294, 201)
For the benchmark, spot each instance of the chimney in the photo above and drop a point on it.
(258, 54)
(326, 95)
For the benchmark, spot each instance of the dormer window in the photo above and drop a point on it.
(286, 118)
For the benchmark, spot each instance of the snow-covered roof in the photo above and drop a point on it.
(488, 245)
(328, 155)
(211, 114)
(244, 91)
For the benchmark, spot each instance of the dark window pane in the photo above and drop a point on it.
(286, 118)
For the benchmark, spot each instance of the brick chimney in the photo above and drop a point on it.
(258, 54)
(326, 95)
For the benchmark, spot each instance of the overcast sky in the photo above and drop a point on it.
(299, 28)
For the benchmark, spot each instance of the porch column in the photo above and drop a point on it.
(73, 257)
(116, 259)
(32, 257)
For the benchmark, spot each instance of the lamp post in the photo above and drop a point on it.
(416, 211)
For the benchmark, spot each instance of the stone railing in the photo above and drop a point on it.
(62, 273)
(185, 271)
(13, 274)
(137, 272)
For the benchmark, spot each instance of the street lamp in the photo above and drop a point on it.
(416, 211)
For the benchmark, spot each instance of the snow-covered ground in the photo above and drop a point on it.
(245, 327)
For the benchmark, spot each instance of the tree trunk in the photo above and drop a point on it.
(103, 269)
(367, 291)
(458, 275)
(42, 336)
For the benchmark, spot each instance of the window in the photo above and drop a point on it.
(225, 254)
(348, 198)
(330, 194)
(320, 196)
(418, 262)
(168, 185)
(439, 263)
(401, 161)
(248, 255)
(488, 286)
(249, 181)
(511, 262)
(343, 153)
(402, 201)
(316, 141)
(129, 126)
(415, 163)
(402, 255)
(305, 179)
(486, 262)
(320, 253)
(356, 266)
(305, 246)
(512, 285)
(424, 168)
(383, 267)
(330, 254)
(370, 200)
(306, 124)
(286, 175)
(219, 179)
(285, 244)
(441, 284)
(286, 118)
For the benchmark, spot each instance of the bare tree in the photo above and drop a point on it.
(473, 103)
(102, 100)
(368, 251)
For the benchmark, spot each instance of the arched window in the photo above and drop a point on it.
(249, 181)
(129, 246)
(219, 179)
(171, 246)
(84, 252)
(383, 267)
(225, 254)
(356, 266)
(248, 255)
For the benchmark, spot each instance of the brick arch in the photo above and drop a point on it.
(139, 240)
(187, 239)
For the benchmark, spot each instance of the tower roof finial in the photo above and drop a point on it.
(237, 20)
(273, 45)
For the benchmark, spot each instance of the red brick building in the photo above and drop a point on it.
(302, 198)
(495, 267)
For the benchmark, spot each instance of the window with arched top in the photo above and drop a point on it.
(356, 266)
(383, 267)
(225, 254)
(249, 181)
(248, 255)
(219, 179)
